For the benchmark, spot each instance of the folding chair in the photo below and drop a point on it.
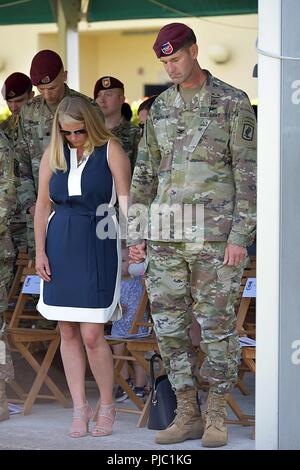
(135, 350)
(247, 353)
(22, 261)
(23, 338)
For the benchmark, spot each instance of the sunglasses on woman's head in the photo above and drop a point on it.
(77, 132)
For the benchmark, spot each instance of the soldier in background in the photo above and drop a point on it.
(8, 183)
(48, 75)
(109, 95)
(199, 152)
(126, 111)
(17, 90)
(144, 108)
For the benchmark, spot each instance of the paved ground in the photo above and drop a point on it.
(47, 426)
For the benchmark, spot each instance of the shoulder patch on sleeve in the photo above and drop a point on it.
(248, 131)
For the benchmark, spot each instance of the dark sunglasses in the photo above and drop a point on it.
(77, 132)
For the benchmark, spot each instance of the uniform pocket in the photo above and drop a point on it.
(227, 272)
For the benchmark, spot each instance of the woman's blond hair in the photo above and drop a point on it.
(74, 109)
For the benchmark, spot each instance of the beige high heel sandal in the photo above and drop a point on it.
(80, 423)
(105, 421)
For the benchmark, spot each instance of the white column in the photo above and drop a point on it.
(268, 223)
(73, 59)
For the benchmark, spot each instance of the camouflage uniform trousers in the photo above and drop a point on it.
(6, 365)
(19, 235)
(188, 277)
(30, 236)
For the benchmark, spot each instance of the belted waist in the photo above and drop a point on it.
(95, 246)
(63, 210)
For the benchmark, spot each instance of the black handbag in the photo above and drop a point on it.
(163, 399)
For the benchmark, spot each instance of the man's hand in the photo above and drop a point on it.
(137, 253)
(234, 255)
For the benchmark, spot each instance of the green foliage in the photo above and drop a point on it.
(4, 113)
(134, 107)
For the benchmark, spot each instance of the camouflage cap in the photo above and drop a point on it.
(45, 67)
(171, 38)
(106, 83)
(16, 85)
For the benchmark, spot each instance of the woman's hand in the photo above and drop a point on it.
(137, 253)
(42, 267)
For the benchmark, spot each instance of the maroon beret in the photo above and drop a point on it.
(45, 67)
(171, 38)
(106, 83)
(15, 85)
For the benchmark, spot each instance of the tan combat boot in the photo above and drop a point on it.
(4, 414)
(215, 433)
(187, 423)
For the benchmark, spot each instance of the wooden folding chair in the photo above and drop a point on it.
(135, 350)
(23, 336)
(247, 353)
(22, 261)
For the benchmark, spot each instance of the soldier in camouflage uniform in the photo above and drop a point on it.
(17, 90)
(109, 95)
(48, 75)
(199, 151)
(8, 183)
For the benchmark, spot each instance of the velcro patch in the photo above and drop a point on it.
(248, 132)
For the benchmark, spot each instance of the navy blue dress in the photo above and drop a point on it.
(82, 243)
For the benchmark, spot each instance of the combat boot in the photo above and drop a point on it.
(215, 432)
(187, 423)
(4, 414)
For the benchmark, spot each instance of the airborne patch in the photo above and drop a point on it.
(45, 80)
(167, 48)
(248, 132)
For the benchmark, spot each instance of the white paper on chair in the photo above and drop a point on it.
(14, 409)
(31, 285)
(250, 287)
(245, 341)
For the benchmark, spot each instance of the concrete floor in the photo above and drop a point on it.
(47, 426)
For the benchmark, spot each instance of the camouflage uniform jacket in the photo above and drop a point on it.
(9, 178)
(129, 135)
(200, 152)
(10, 128)
(36, 120)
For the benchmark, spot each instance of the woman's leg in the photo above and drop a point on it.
(100, 358)
(73, 357)
(101, 363)
(140, 375)
(118, 350)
